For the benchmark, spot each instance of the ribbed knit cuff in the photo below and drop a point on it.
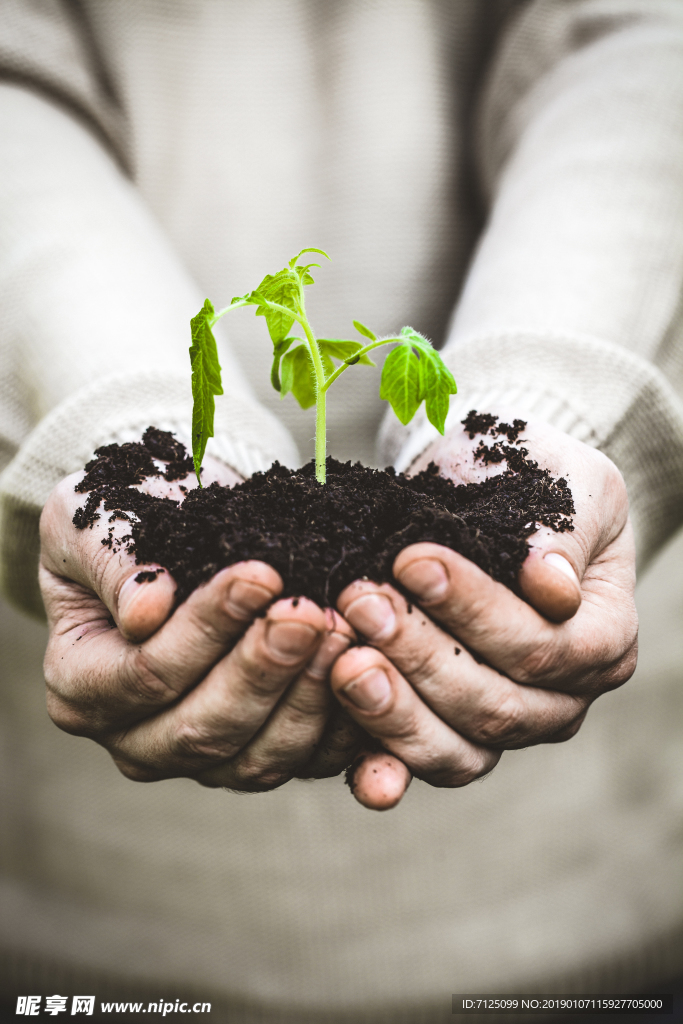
(594, 390)
(116, 409)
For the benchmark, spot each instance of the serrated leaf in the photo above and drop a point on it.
(279, 349)
(436, 386)
(206, 381)
(343, 350)
(401, 382)
(297, 376)
(365, 331)
(282, 288)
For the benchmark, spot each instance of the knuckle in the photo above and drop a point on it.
(419, 661)
(253, 776)
(471, 613)
(306, 704)
(192, 743)
(618, 672)
(541, 662)
(65, 716)
(569, 731)
(628, 663)
(475, 766)
(451, 775)
(210, 630)
(404, 727)
(145, 684)
(137, 772)
(504, 723)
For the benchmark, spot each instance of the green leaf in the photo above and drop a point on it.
(242, 300)
(297, 376)
(416, 339)
(294, 260)
(365, 331)
(436, 386)
(344, 350)
(282, 288)
(206, 381)
(279, 349)
(401, 382)
(304, 273)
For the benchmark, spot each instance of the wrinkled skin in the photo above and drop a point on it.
(525, 673)
(232, 688)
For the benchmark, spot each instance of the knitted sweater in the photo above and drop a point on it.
(503, 176)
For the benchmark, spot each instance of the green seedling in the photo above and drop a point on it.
(413, 371)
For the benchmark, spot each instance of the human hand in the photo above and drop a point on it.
(229, 688)
(483, 671)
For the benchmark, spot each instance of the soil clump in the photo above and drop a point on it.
(321, 538)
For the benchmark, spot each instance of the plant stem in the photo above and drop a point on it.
(320, 437)
(320, 403)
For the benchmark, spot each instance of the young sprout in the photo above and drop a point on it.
(413, 371)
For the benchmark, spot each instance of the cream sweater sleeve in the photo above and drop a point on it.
(572, 306)
(94, 326)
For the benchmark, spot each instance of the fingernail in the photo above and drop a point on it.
(426, 578)
(373, 615)
(131, 588)
(369, 691)
(561, 563)
(245, 598)
(290, 639)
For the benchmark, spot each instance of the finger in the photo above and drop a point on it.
(378, 780)
(473, 698)
(384, 703)
(80, 557)
(130, 681)
(291, 734)
(222, 714)
(341, 742)
(551, 584)
(550, 579)
(588, 653)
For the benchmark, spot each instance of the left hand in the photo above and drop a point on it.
(228, 688)
(474, 669)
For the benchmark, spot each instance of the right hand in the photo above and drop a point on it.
(229, 688)
(528, 670)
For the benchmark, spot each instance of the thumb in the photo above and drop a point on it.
(138, 597)
(552, 574)
(549, 579)
(378, 780)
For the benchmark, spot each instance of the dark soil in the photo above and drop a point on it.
(321, 538)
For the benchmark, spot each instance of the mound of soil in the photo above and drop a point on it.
(321, 538)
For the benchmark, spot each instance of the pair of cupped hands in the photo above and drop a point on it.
(236, 688)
